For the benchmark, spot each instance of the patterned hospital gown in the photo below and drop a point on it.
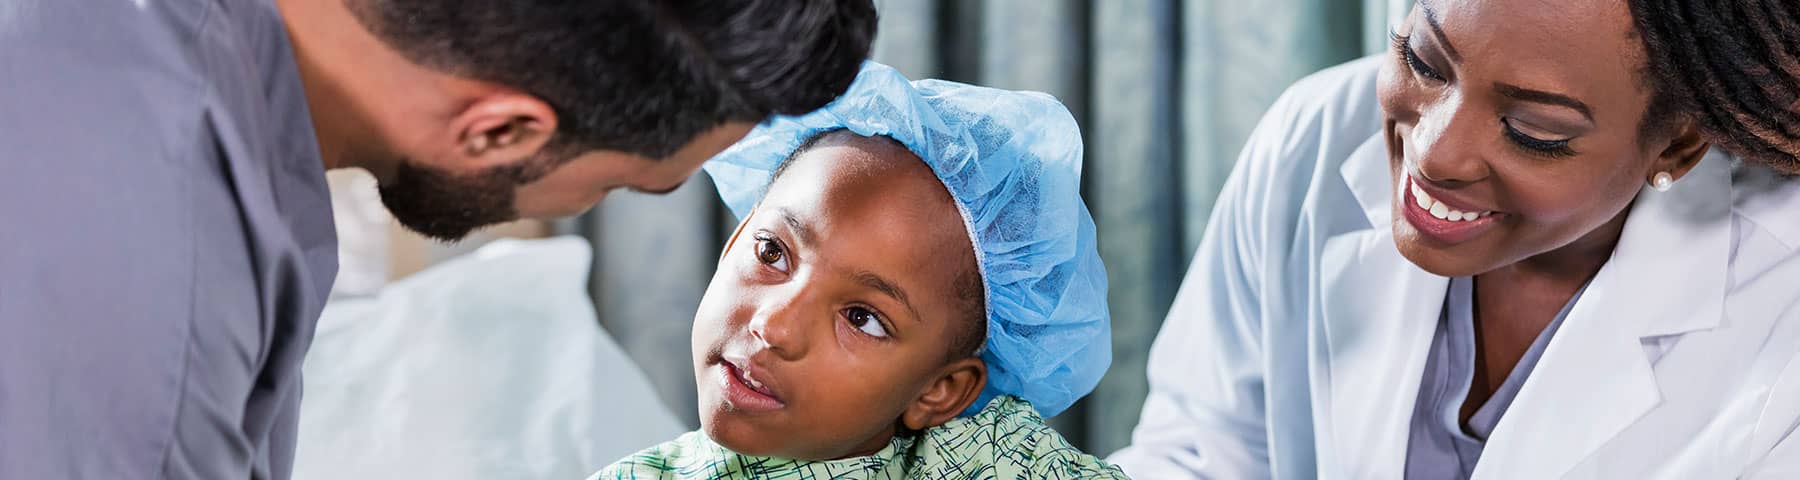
(1005, 440)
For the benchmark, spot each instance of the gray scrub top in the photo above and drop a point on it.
(166, 241)
(1437, 446)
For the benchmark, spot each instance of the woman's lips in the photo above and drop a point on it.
(1439, 221)
(744, 392)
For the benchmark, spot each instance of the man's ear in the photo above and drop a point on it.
(1686, 147)
(502, 127)
(957, 385)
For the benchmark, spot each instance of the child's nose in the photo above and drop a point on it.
(783, 325)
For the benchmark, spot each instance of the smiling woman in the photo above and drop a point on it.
(1528, 132)
(1533, 240)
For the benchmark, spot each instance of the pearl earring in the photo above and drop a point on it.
(1662, 181)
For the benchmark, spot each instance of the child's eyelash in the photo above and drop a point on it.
(870, 316)
(773, 246)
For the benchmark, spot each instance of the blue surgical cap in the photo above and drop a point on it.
(1012, 161)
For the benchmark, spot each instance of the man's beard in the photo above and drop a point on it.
(447, 207)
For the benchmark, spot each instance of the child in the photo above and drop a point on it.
(917, 286)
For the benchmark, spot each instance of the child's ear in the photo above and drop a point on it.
(958, 385)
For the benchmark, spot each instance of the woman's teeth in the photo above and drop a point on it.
(1441, 211)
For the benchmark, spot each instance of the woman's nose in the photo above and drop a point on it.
(1445, 145)
(783, 323)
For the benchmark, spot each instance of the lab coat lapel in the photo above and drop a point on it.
(1667, 276)
(1379, 312)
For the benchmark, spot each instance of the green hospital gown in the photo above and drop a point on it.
(1005, 440)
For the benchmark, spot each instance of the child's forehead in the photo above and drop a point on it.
(847, 168)
(843, 148)
(846, 189)
(872, 195)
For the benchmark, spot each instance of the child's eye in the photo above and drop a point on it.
(769, 253)
(866, 320)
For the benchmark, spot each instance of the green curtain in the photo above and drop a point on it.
(1166, 92)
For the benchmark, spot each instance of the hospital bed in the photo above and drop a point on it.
(488, 366)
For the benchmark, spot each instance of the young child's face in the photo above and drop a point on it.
(834, 313)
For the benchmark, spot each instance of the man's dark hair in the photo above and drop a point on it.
(640, 76)
(1733, 66)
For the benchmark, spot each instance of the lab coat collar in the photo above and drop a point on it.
(1672, 258)
(1379, 312)
(1758, 196)
(1367, 173)
(1666, 277)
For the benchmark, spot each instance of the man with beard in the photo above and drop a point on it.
(166, 241)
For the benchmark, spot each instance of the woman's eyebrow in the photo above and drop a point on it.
(1539, 96)
(871, 280)
(1438, 31)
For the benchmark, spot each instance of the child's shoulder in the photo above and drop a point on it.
(695, 457)
(1006, 439)
(659, 462)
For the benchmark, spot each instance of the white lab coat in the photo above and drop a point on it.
(1295, 347)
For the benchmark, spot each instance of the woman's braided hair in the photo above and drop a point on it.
(1733, 66)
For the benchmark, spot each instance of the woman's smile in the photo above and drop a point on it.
(1441, 217)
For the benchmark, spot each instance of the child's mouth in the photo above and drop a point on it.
(744, 392)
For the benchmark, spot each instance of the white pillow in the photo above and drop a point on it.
(488, 366)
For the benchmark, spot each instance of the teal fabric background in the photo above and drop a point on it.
(1165, 90)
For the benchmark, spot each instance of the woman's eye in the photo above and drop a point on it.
(769, 253)
(1403, 44)
(1550, 148)
(866, 321)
